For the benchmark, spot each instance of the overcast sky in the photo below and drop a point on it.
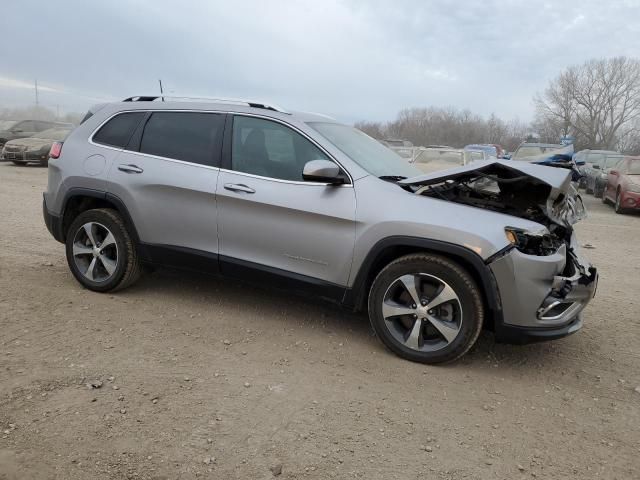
(349, 59)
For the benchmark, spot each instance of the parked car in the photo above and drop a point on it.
(596, 167)
(490, 150)
(33, 149)
(435, 159)
(27, 128)
(531, 151)
(403, 148)
(303, 202)
(623, 185)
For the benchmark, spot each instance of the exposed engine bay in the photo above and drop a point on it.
(541, 194)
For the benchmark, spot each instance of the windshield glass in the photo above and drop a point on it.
(372, 156)
(634, 167)
(7, 124)
(529, 152)
(52, 134)
(490, 149)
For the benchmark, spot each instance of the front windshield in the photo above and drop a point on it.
(52, 134)
(373, 157)
(7, 124)
(530, 152)
(489, 149)
(634, 167)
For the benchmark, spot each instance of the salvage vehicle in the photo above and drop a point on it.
(623, 185)
(33, 149)
(303, 202)
(27, 128)
(435, 159)
(597, 166)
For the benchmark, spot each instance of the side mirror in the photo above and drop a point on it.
(613, 172)
(322, 171)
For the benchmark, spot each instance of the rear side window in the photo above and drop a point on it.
(117, 131)
(188, 136)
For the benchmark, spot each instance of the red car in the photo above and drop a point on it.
(623, 185)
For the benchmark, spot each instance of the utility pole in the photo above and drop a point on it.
(161, 91)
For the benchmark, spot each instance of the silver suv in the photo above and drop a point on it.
(300, 201)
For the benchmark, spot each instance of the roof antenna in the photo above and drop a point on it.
(161, 91)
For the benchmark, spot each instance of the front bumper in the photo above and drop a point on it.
(25, 157)
(542, 296)
(630, 200)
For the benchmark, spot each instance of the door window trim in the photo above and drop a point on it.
(227, 152)
(143, 123)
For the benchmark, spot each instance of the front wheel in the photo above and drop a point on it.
(617, 207)
(100, 251)
(426, 308)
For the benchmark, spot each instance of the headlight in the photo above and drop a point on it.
(532, 243)
(633, 187)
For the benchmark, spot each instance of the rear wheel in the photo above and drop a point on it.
(100, 251)
(426, 308)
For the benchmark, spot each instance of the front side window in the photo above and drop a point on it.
(270, 149)
(117, 131)
(596, 159)
(188, 136)
(612, 160)
(26, 126)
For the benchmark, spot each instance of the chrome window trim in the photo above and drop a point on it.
(266, 117)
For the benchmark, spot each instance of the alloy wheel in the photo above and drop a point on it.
(422, 312)
(95, 252)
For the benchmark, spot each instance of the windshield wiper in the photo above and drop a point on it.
(392, 178)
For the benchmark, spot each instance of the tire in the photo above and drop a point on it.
(598, 191)
(115, 260)
(446, 330)
(616, 206)
(605, 200)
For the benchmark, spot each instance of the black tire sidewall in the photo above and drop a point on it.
(119, 234)
(462, 284)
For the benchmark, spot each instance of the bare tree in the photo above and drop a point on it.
(593, 101)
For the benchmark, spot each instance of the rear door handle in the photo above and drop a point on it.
(130, 168)
(238, 187)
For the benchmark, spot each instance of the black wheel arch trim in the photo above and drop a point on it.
(355, 297)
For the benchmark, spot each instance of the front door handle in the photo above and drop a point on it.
(130, 168)
(238, 187)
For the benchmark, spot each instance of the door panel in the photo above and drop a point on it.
(170, 202)
(303, 228)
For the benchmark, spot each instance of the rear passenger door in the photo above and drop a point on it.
(166, 176)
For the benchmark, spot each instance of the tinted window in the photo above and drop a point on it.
(187, 136)
(117, 131)
(270, 149)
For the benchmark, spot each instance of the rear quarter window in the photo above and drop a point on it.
(117, 131)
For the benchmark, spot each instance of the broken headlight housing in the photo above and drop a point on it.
(532, 243)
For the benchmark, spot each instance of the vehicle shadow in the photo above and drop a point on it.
(292, 310)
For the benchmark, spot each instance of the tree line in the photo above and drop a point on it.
(597, 103)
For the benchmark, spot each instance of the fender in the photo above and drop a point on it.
(390, 248)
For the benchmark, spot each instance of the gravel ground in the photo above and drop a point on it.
(207, 378)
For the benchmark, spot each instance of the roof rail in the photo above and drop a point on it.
(234, 101)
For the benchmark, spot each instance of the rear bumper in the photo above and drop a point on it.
(53, 223)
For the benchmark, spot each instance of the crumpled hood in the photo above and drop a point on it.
(562, 204)
(31, 143)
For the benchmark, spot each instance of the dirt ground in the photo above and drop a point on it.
(208, 378)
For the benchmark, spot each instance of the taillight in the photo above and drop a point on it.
(56, 150)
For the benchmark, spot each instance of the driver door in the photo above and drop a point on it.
(270, 219)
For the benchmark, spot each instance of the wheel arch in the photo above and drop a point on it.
(78, 200)
(391, 248)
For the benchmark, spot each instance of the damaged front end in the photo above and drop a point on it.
(540, 194)
(543, 281)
